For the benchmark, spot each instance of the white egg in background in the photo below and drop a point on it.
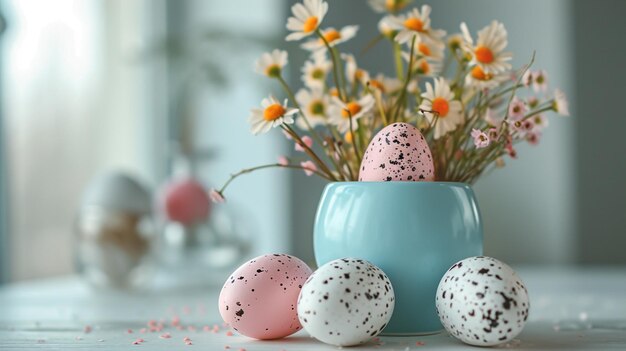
(481, 301)
(346, 302)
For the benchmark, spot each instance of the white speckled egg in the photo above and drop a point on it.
(398, 152)
(259, 299)
(346, 302)
(481, 301)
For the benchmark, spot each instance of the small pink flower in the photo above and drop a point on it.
(509, 148)
(309, 167)
(528, 125)
(307, 141)
(540, 121)
(481, 139)
(217, 198)
(533, 138)
(527, 78)
(517, 109)
(493, 134)
(540, 81)
(283, 161)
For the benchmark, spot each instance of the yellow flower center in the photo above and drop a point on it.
(441, 106)
(348, 137)
(424, 49)
(316, 107)
(273, 70)
(332, 35)
(358, 75)
(352, 108)
(479, 74)
(415, 24)
(424, 67)
(273, 112)
(538, 120)
(377, 84)
(395, 5)
(310, 24)
(484, 54)
(318, 74)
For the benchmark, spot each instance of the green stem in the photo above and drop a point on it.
(272, 165)
(335, 65)
(409, 71)
(397, 54)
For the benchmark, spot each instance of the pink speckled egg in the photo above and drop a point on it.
(398, 152)
(185, 201)
(259, 299)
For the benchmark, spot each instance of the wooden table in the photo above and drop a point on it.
(571, 309)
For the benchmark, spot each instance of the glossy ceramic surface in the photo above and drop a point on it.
(414, 231)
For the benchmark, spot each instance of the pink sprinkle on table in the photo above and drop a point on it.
(229, 333)
(176, 321)
(188, 343)
(87, 329)
(143, 330)
(165, 336)
(129, 331)
(419, 343)
(138, 341)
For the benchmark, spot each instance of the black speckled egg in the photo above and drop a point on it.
(346, 302)
(481, 301)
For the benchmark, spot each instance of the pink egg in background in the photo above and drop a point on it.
(260, 298)
(399, 152)
(185, 201)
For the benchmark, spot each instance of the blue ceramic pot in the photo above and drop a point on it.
(414, 231)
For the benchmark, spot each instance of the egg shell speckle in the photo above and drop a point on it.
(399, 152)
(346, 302)
(259, 299)
(481, 301)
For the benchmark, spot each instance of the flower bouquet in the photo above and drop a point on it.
(459, 90)
(401, 152)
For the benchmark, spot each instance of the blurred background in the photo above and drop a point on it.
(155, 95)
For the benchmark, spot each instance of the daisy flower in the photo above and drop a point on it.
(540, 81)
(353, 72)
(314, 71)
(386, 27)
(488, 51)
(270, 116)
(309, 167)
(332, 36)
(560, 104)
(440, 100)
(314, 104)
(517, 109)
(271, 63)
(423, 66)
(341, 113)
(386, 85)
(430, 49)
(455, 41)
(415, 23)
(481, 139)
(382, 6)
(477, 78)
(306, 18)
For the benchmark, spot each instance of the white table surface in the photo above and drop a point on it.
(571, 309)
